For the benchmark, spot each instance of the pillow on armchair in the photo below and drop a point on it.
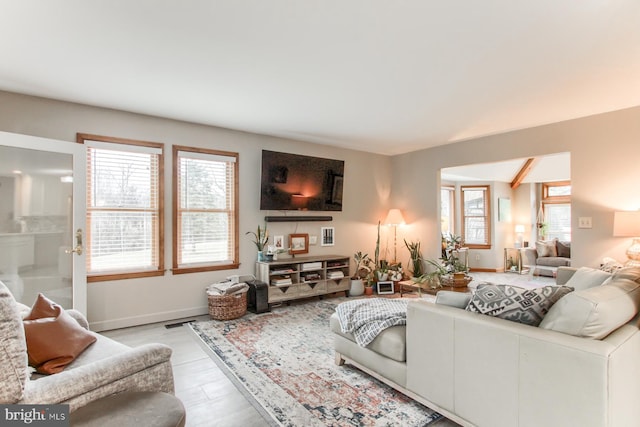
(54, 338)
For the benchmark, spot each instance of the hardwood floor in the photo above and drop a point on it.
(210, 398)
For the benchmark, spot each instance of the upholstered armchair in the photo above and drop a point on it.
(105, 367)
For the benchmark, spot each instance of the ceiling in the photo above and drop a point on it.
(376, 75)
(554, 167)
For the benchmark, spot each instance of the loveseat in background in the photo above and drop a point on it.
(546, 256)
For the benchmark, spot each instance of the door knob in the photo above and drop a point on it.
(78, 249)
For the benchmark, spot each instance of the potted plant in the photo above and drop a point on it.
(362, 272)
(382, 272)
(416, 258)
(260, 239)
(451, 270)
(395, 271)
(450, 260)
(368, 287)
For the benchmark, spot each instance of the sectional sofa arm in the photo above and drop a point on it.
(563, 274)
(83, 379)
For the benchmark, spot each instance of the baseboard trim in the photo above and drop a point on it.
(125, 322)
(486, 270)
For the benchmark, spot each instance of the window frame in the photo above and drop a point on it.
(199, 267)
(158, 242)
(451, 190)
(486, 216)
(554, 200)
(547, 199)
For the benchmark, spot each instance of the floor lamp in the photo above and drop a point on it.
(627, 224)
(394, 218)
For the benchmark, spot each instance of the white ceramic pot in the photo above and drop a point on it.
(382, 276)
(357, 288)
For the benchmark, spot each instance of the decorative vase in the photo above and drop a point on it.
(357, 288)
(382, 276)
(262, 256)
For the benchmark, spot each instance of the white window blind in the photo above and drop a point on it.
(558, 217)
(475, 202)
(123, 208)
(206, 209)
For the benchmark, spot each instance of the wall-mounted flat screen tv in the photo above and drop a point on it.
(296, 182)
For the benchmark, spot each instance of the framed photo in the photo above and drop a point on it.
(278, 242)
(299, 244)
(385, 287)
(327, 234)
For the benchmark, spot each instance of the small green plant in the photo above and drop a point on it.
(260, 238)
(450, 260)
(363, 265)
(416, 258)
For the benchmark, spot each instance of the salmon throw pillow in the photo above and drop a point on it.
(54, 338)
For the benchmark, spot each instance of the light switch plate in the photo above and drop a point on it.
(313, 240)
(584, 222)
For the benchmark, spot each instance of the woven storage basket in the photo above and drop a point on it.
(227, 307)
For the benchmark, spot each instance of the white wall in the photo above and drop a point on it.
(114, 304)
(604, 155)
(604, 148)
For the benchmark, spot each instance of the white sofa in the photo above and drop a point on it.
(486, 371)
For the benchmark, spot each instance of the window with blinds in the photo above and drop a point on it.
(124, 208)
(556, 203)
(205, 210)
(476, 209)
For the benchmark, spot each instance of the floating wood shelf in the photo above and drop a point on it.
(294, 218)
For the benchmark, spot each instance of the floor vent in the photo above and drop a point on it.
(177, 325)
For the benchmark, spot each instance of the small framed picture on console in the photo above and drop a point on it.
(385, 288)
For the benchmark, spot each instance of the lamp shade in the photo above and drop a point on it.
(519, 228)
(626, 224)
(394, 217)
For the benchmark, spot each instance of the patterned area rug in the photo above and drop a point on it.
(285, 360)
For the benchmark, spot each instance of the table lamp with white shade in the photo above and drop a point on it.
(627, 224)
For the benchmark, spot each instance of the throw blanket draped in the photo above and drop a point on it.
(366, 318)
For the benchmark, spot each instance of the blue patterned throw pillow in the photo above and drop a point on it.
(528, 306)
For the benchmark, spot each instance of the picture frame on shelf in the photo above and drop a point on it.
(299, 244)
(278, 242)
(385, 287)
(327, 236)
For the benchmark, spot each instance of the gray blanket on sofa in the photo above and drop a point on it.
(366, 318)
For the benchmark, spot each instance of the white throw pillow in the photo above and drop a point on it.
(453, 299)
(585, 278)
(595, 312)
(546, 249)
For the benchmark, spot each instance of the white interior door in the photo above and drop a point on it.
(42, 219)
